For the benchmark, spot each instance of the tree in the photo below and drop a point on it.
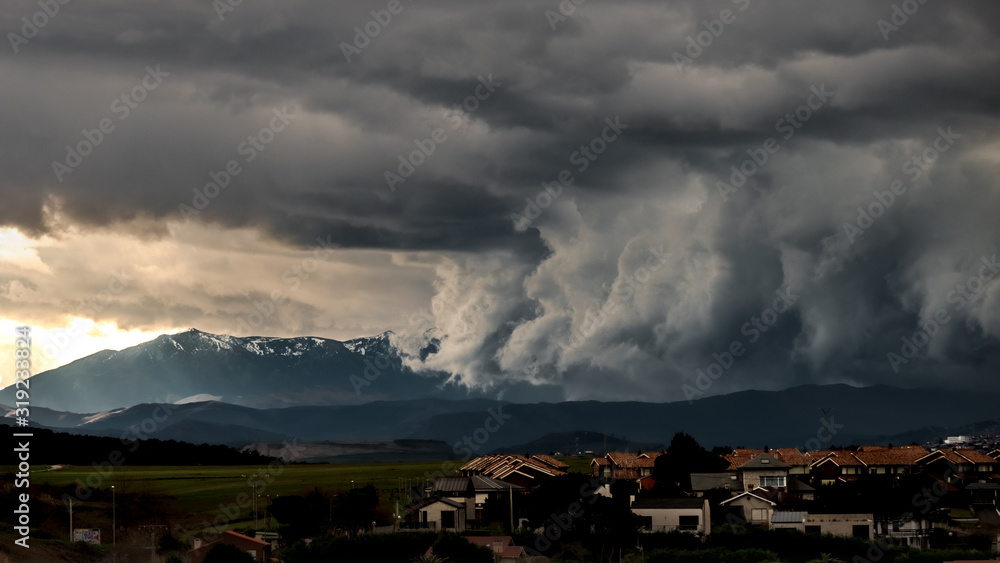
(672, 470)
(354, 510)
(227, 553)
(302, 516)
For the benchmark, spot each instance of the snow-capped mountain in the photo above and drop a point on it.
(253, 371)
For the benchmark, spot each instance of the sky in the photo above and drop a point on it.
(637, 200)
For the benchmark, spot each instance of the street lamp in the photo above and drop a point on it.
(114, 519)
(253, 483)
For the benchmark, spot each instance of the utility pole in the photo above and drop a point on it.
(71, 520)
(511, 489)
(114, 519)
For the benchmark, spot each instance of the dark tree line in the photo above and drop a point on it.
(49, 447)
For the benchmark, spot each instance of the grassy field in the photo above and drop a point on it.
(195, 493)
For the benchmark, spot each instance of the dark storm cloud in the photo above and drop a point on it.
(528, 297)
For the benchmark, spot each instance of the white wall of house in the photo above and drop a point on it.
(752, 477)
(669, 519)
(432, 513)
(841, 524)
(755, 510)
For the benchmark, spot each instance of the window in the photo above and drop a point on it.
(772, 481)
(813, 530)
(688, 523)
(447, 518)
(860, 531)
(758, 515)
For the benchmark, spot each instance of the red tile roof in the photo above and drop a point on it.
(841, 458)
(792, 456)
(550, 461)
(905, 455)
(739, 457)
(974, 456)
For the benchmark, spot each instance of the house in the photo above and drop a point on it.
(906, 532)
(844, 525)
(798, 463)
(489, 489)
(984, 492)
(757, 508)
(760, 470)
(520, 470)
(701, 483)
(440, 514)
(898, 460)
(801, 490)
(966, 462)
(669, 514)
(259, 550)
(457, 490)
(624, 465)
(832, 466)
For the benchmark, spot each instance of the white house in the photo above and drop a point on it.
(757, 510)
(443, 514)
(844, 525)
(668, 514)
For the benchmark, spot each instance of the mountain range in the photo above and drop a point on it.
(251, 371)
(269, 391)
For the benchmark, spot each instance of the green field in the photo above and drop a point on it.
(194, 494)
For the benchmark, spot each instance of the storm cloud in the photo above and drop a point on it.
(599, 198)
